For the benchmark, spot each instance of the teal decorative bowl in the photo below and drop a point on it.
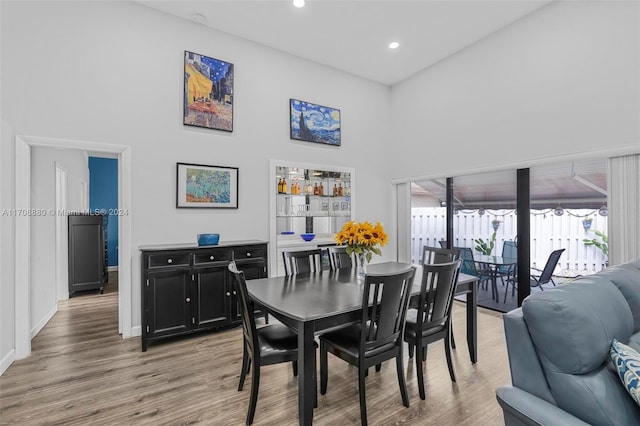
(208, 239)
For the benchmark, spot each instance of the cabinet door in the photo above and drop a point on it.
(212, 299)
(168, 302)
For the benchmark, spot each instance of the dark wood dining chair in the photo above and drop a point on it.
(338, 258)
(299, 262)
(377, 337)
(431, 321)
(271, 344)
(432, 255)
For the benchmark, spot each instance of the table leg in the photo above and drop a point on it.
(306, 373)
(472, 322)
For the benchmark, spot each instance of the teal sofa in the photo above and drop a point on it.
(558, 344)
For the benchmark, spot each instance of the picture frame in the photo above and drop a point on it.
(208, 92)
(314, 123)
(204, 186)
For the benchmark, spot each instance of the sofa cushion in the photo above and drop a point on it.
(572, 327)
(627, 278)
(627, 362)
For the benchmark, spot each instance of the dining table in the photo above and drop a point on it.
(311, 303)
(493, 265)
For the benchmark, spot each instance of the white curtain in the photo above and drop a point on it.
(403, 205)
(624, 209)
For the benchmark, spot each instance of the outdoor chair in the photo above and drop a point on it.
(377, 337)
(545, 276)
(469, 266)
(271, 344)
(298, 262)
(431, 321)
(509, 251)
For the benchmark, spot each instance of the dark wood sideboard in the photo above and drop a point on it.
(187, 288)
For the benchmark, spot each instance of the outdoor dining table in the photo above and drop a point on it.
(493, 264)
(314, 302)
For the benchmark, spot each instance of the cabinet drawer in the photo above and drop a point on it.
(209, 256)
(249, 252)
(168, 259)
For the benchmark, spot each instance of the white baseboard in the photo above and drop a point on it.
(44, 321)
(7, 361)
(136, 331)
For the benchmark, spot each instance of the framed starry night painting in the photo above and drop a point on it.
(208, 92)
(314, 123)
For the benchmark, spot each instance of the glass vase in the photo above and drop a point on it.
(361, 267)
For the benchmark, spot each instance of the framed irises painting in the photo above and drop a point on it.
(203, 186)
(314, 123)
(208, 92)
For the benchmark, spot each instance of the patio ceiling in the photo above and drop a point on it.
(578, 184)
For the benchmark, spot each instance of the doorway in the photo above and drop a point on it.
(24, 145)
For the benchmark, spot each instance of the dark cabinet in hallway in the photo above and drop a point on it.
(87, 252)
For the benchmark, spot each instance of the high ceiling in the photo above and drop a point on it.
(577, 184)
(353, 36)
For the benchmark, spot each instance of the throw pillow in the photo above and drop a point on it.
(627, 362)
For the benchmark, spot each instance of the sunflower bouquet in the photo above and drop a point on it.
(362, 238)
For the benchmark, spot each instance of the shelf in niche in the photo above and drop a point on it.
(313, 196)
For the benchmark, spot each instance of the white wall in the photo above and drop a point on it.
(560, 81)
(7, 257)
(112, 72)
(43, 231)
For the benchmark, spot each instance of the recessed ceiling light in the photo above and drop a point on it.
(394, 45)
(298, 3)
(198, 18)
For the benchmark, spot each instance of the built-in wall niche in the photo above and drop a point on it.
(307, 198)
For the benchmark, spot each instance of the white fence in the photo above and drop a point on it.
(548, 232)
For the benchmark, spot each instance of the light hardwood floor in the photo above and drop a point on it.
(82, 373)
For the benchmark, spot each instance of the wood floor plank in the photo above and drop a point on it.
(81, 372)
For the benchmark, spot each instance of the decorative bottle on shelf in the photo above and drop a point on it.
(321, 189)
(280, 186)
(316, 191)
(340, 191)
(335, 189)
(284, 186)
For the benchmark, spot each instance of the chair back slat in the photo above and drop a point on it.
(299, 262)
(384, 323)
(246, 306)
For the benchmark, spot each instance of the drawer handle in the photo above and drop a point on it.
(248, 254)
(188, 299)
(211, 257)
(228, 294)
(234, 292)
(169, 260)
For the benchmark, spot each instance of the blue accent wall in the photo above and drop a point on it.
(103, 195)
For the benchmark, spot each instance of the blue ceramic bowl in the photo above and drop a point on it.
(208, 239)
(307, 237)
